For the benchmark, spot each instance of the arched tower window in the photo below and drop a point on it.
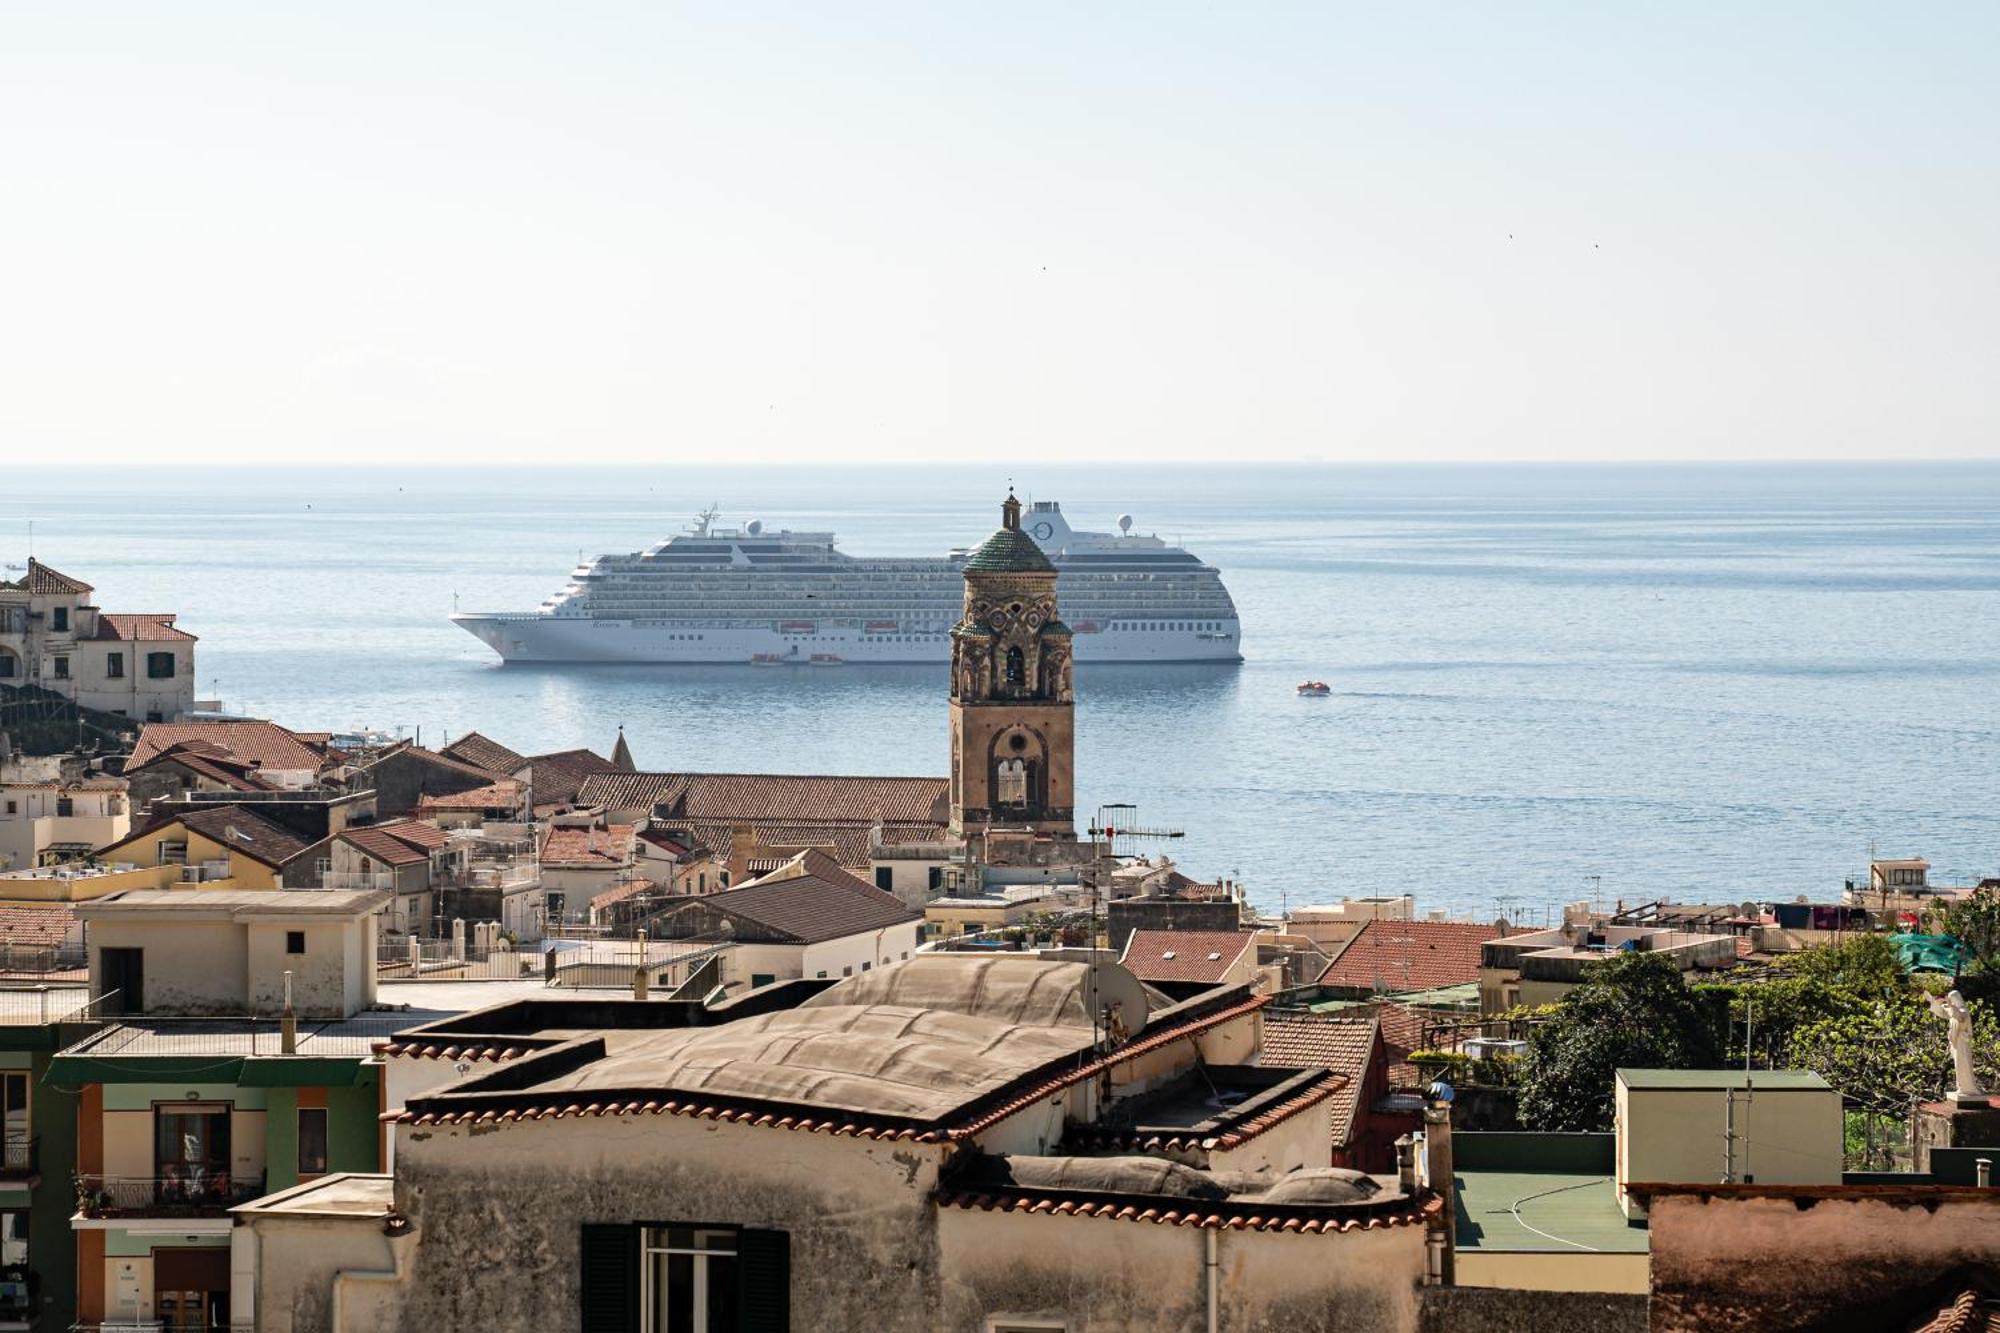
(1011, 786)
(1017, 668)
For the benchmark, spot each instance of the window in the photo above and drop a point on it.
(6, 665)
(295, 941)
(114, 666)
(59, 618)
(685, 1278)
(936, 878)
(65, 807)
(62, 668)
(312, 1140)
(14, 1154)
(885, 877)
(759, 980)
(191, 1150)
(1017, 671)
(159, 666)
(13, 1254)
(13, 807)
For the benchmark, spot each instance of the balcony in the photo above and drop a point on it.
(209, 1195)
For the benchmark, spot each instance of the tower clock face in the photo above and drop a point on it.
(1044, 531)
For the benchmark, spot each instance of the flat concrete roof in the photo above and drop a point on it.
(348, 1194)
(1545, 1211)
(1762, 1080)
(234, 903)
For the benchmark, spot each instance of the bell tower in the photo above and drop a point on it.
(1012, 706)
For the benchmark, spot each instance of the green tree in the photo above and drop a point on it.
(1630, 1012)
(1975, 920)
(1867, 963)
(1892, 1051)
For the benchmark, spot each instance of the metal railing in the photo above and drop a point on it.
(357, 879)
(194, 1193)
(20, 1157)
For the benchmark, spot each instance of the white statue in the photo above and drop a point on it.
(1958, 1020)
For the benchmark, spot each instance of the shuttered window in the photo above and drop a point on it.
(678, 1278)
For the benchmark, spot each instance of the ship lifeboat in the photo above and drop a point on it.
(826, 659)
(1314, 689)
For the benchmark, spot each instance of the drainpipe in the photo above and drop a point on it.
(288, 1022)
(1214, 1269)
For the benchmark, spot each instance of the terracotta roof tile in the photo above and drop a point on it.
(1184, 955)
(782, 797)
(1397, 956)
(502, 795)
(42, 581)
(155, 628)
(560, 775)
(485, 753)
(398, 843)
(822, 903)
(1344, 1045)
(609, 846)
(237, 827)
(37, 926)
(1162, 1210)
(266, 744)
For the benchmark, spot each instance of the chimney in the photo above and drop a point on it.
(642, 981)
(1437, 1167)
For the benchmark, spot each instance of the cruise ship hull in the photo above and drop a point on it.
(533, 637)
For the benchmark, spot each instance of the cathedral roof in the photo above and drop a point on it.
(1009, 551)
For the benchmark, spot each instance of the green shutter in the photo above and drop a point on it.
(764, 1270)
(610, 1276)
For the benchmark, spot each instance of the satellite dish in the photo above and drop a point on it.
(1106, 985)
(1125, 523)
(754, 526)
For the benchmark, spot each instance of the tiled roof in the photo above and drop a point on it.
(36, 926)
(502, 795)
(237, 827)
(486, 753)
(631, 888)
(155, 628)
(1229, 1215)
(42, 581)
(1344, 1045)
(264, 743)
(671, 846)
(823, 903)
(609, 846)
(738, 797)
(1184, 955)
(558, 776)
(1972, 1310)
(1009, 551)
(208, 761)
(400, 843)
(1402, 1032)
(1397, 956)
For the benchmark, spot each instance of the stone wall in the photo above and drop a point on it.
(1502, 1310)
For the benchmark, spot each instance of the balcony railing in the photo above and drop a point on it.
(20, 1157)
(202, 1194)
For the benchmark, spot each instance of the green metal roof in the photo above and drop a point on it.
(1560, 1211)
(1009, 551)
(1763, 1080)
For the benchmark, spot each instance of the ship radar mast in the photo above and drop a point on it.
(705, 520)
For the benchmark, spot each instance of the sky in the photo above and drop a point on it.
(469, 234)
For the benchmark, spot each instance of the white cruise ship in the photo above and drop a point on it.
(717, 595)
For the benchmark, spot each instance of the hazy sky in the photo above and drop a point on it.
(649, 232)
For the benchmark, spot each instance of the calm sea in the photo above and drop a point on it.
(1549, 682)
